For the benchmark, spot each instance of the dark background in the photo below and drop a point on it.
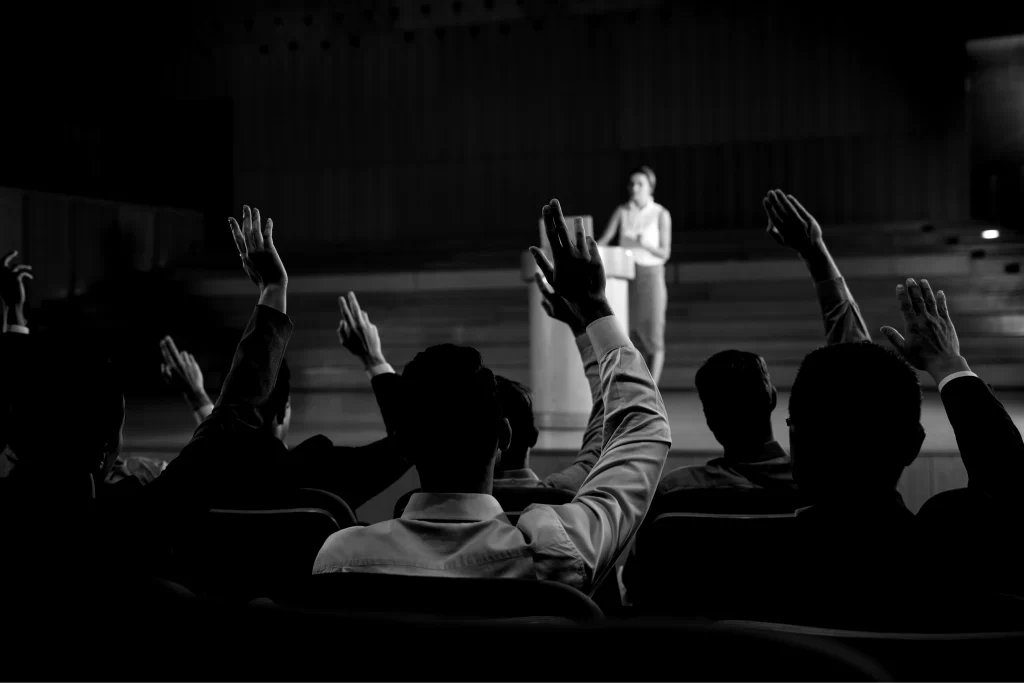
(409, 128)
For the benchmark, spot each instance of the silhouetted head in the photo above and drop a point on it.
(641, 184)
(738, 399)
(67, 421)
(854, 421)
(452, 426)
(517, 407)
(277, 413)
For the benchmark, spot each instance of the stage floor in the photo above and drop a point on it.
(160, 428)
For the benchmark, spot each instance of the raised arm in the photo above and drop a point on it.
(616, 495)
(791, 225)
(181, 371)
(572, 477)
(990, 443)
(613, 226)
(259, 354)
(15, 343)
(362, 339)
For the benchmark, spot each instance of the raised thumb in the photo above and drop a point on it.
(895, 338)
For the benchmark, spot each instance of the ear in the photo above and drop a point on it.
(504, 435)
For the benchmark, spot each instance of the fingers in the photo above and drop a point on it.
(543, 286)
(775, 234)
(594, 252)
(790, 209)
(581, 239)
(250, 245)
(906, 308)
(943, 306)
(561, 230)
(353, 304)
(346, 313)
(549, 228)
(171, 353)
(548, 307)
(916, 297)
(929, 298)
(269, 235)
(773, 215)
(801, 211)
(9, 259)
(21, 268)
(783, 210)
(546, 268)
(236, 234)
(895, 338)
(257, 229)
(26, 276)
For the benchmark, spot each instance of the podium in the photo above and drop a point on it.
(561, 394)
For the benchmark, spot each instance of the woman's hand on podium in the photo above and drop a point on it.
(558, 308)
(260, 260)
(577, 274)
(357, 334)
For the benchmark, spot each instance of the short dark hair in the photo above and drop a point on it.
(279, 395)
(70, 411)
(647, 171)
(451, 411)
(517, 407)
(852, 405)
(737, 393)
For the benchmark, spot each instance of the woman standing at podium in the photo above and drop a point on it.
(645, 227)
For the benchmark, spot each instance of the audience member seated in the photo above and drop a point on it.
(734, 386)
(517, 405)
(356, 474)
(455, 434)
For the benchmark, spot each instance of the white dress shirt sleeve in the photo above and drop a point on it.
(949, 378)
(17, 329)
(613, 500)
(382, 369)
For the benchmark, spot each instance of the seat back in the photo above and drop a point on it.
(257, 553)
(728, 501)
(447, 597)
(329, 502)
(696, 564)
(513, 499)
(921, 656)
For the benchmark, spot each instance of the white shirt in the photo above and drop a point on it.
(467, 534)
(642, 226)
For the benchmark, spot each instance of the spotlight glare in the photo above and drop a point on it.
(990, 234)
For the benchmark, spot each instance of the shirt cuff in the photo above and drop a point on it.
(606, 334)
(382, 369)
(948, 378)
(17, 329)
(583, 343)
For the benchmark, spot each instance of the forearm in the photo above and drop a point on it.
(276, 297)
(14, 315)
(839, 312)
(572, 477)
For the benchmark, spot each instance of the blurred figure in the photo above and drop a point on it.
(645, 227)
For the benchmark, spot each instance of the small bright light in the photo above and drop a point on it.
(990, 234)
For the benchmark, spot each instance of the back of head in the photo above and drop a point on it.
(738, 397)
(517, 407)
(67, 422)
(450, 421)
(855, 420)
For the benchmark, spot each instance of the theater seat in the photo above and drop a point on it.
(513, 499)
(446, 597)
(695, 564)
(922, 656)
(329, 502)
(246, 554)
(729, 501)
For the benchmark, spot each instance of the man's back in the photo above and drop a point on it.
(465, 534)
(771, 468)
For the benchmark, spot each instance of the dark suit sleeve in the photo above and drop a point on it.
(990, 443)
(356, 474)
(252, 375)
(387, 387)
(16, 363)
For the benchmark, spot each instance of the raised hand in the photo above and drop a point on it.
(929, 341)
(357, 334)
(557, 307)
(12, 285)
(789, 223)
(255, 244)
(577, 274)
(181, 371)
